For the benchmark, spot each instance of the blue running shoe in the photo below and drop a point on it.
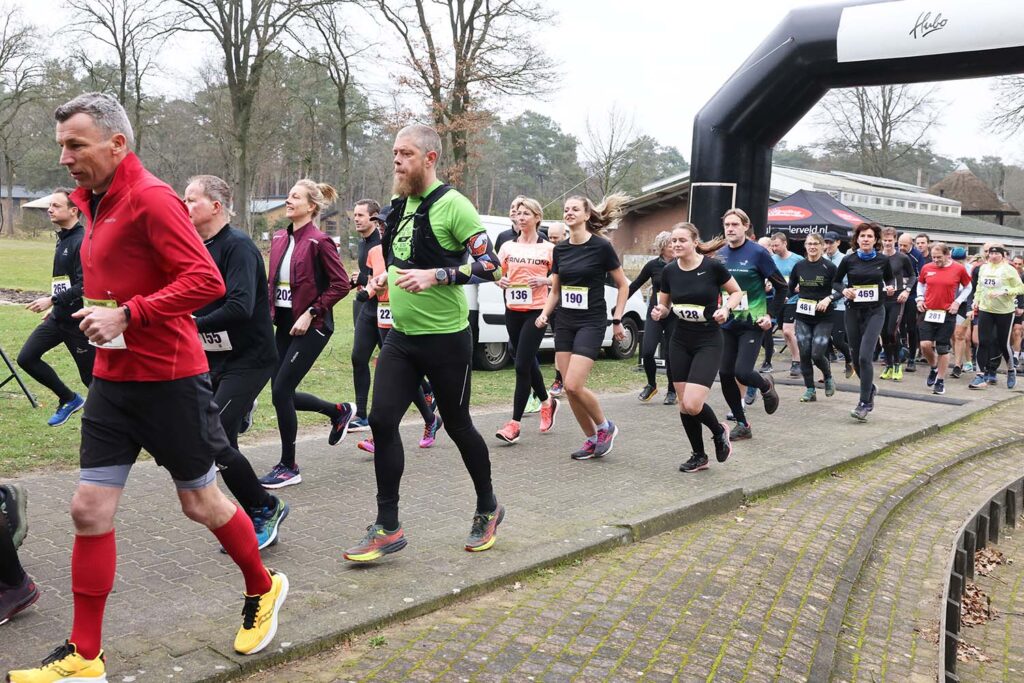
(65, 411)
(266, 522)
(978, 382)
(750, 396)
(359, 424)
(1011, 378)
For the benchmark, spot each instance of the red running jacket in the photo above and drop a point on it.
(314, 252)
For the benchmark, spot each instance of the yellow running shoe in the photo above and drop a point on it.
(63, 664)
(897, 373)
(887, 373)
(259, 616)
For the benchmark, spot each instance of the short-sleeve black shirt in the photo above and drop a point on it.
(585, 265)
(701, 286)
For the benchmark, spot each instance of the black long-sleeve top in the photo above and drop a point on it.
(67, 262)
(904, 273)
(876, 271)
(242, 312)
(651, 271)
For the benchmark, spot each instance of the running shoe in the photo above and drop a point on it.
(376, 544)
(849, 371)
(750, 396)
(430, 432)
(248, 417)
(267, 520)
(767, 367)
(66, 410)
(63, 664)
(556, 389)
(532, 405)
(810, 395)
(14, 507)
(861, 412)
(887, 373)
(696, 463)
(897, 373)
(730, 417)
(547, 415)
(484, 531)
(670, 398)
(830, 387)
(933, 374)
(794, 369)
(978, 382)
(770, 396)
(968, 366)
(339, 424)
(366, 445)
(509, 433)
(359, 424)
(940, 387)
(259, 616)
(723, 445)
(911, 366)
(281, 475)
(1011, 378)
(605, 440)
(740, 432)
(586, 451)
(647, 393)
(991, 378)
(956, 372)
(429, 399)
(14, 599)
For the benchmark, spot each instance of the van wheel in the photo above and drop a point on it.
(627, 347)
(491, 356)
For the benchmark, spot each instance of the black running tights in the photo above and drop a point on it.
(525, 339)
(364, 340)
(48, 335)
(446, 360)
(994, 340)
(233, 393)
(891, 331)
(863, 326)
(657, 332)
(739, 352)
(812, 339)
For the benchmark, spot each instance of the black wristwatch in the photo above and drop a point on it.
(616, 321)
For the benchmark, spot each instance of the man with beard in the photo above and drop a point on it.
(428, 232)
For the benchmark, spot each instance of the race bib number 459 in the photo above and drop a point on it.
(576, 298)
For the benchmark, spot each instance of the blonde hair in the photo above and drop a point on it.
(321, 195)
(605, 213)
(661, 240)
(528, 203)
(709, 247)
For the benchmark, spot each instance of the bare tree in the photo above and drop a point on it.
(1009, 116)
(248, 32)
(606, 151)
(473, 50)
(134, 30)
(20, 69)
(881, 125)
(333, 50)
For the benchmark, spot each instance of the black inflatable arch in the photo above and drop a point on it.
(834, 46)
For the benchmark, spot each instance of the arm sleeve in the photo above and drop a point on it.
(641, 279)
(75, 292)
(241, 292)
(908, 273)
(887, 275)
(484, 266)
(964, 292)
(837, 279)
(338, 283)
(194, 278)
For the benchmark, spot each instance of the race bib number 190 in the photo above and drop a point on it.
(576, 298)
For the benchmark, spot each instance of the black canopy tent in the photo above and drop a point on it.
(807, 212)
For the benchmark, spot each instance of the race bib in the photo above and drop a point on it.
(744, 303)
(576, 298)
(215, 341)
(988, 282)
(519, 295)
(384, 314)
(283, 295)
(806, 306)
(691, 313)
(118, 341)
(865, 293)
(931, 316)
(60, 285)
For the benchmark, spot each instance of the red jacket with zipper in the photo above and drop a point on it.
(314, 251)
(141, 250)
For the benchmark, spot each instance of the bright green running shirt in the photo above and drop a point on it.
(442, 309)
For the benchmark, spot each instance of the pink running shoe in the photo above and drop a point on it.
(548, 410)
(430, 432)
(509, 433)
(366, 445)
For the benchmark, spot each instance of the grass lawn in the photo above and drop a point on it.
(28, 443)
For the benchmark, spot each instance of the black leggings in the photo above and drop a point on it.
(234, 392)
(525, 338)
(419, 399)
(739, 351)
(50, 334)
(657, 332)
(994, 340)
(910, 332)
(446, 359)
(364, 340)
(11, 572)
(891, 331)
(864, 325)
(839, 341)
(812, 339)
(295, 357)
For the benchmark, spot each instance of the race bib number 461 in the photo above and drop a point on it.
(576, 298)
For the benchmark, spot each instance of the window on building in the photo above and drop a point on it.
(888, 202)
(911, 205)
(876, 200)
(901, 204)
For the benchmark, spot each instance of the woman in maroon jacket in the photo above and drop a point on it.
(306, 280)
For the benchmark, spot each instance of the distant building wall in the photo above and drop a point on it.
(634, 238)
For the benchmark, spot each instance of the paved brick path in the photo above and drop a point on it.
(751, 594)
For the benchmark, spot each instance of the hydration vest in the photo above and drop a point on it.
(424, 249)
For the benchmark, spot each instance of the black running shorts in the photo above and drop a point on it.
(581, 340)
(176, 421)
(940, 333)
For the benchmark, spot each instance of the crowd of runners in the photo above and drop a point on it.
(176, 326)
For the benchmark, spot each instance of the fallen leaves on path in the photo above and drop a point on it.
(986, 560)
(976, 607)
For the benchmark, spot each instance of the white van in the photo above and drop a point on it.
(487, 317)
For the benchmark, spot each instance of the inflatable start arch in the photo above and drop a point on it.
(835, 46)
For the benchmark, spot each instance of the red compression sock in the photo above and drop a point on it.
(239, 540)
(93, 561)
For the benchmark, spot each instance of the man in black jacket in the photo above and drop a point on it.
(59, 327)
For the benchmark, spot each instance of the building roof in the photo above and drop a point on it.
(972, 193)
(19, 192)
(257, 206)
(950, 225)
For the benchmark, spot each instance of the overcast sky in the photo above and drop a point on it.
(660, 61)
